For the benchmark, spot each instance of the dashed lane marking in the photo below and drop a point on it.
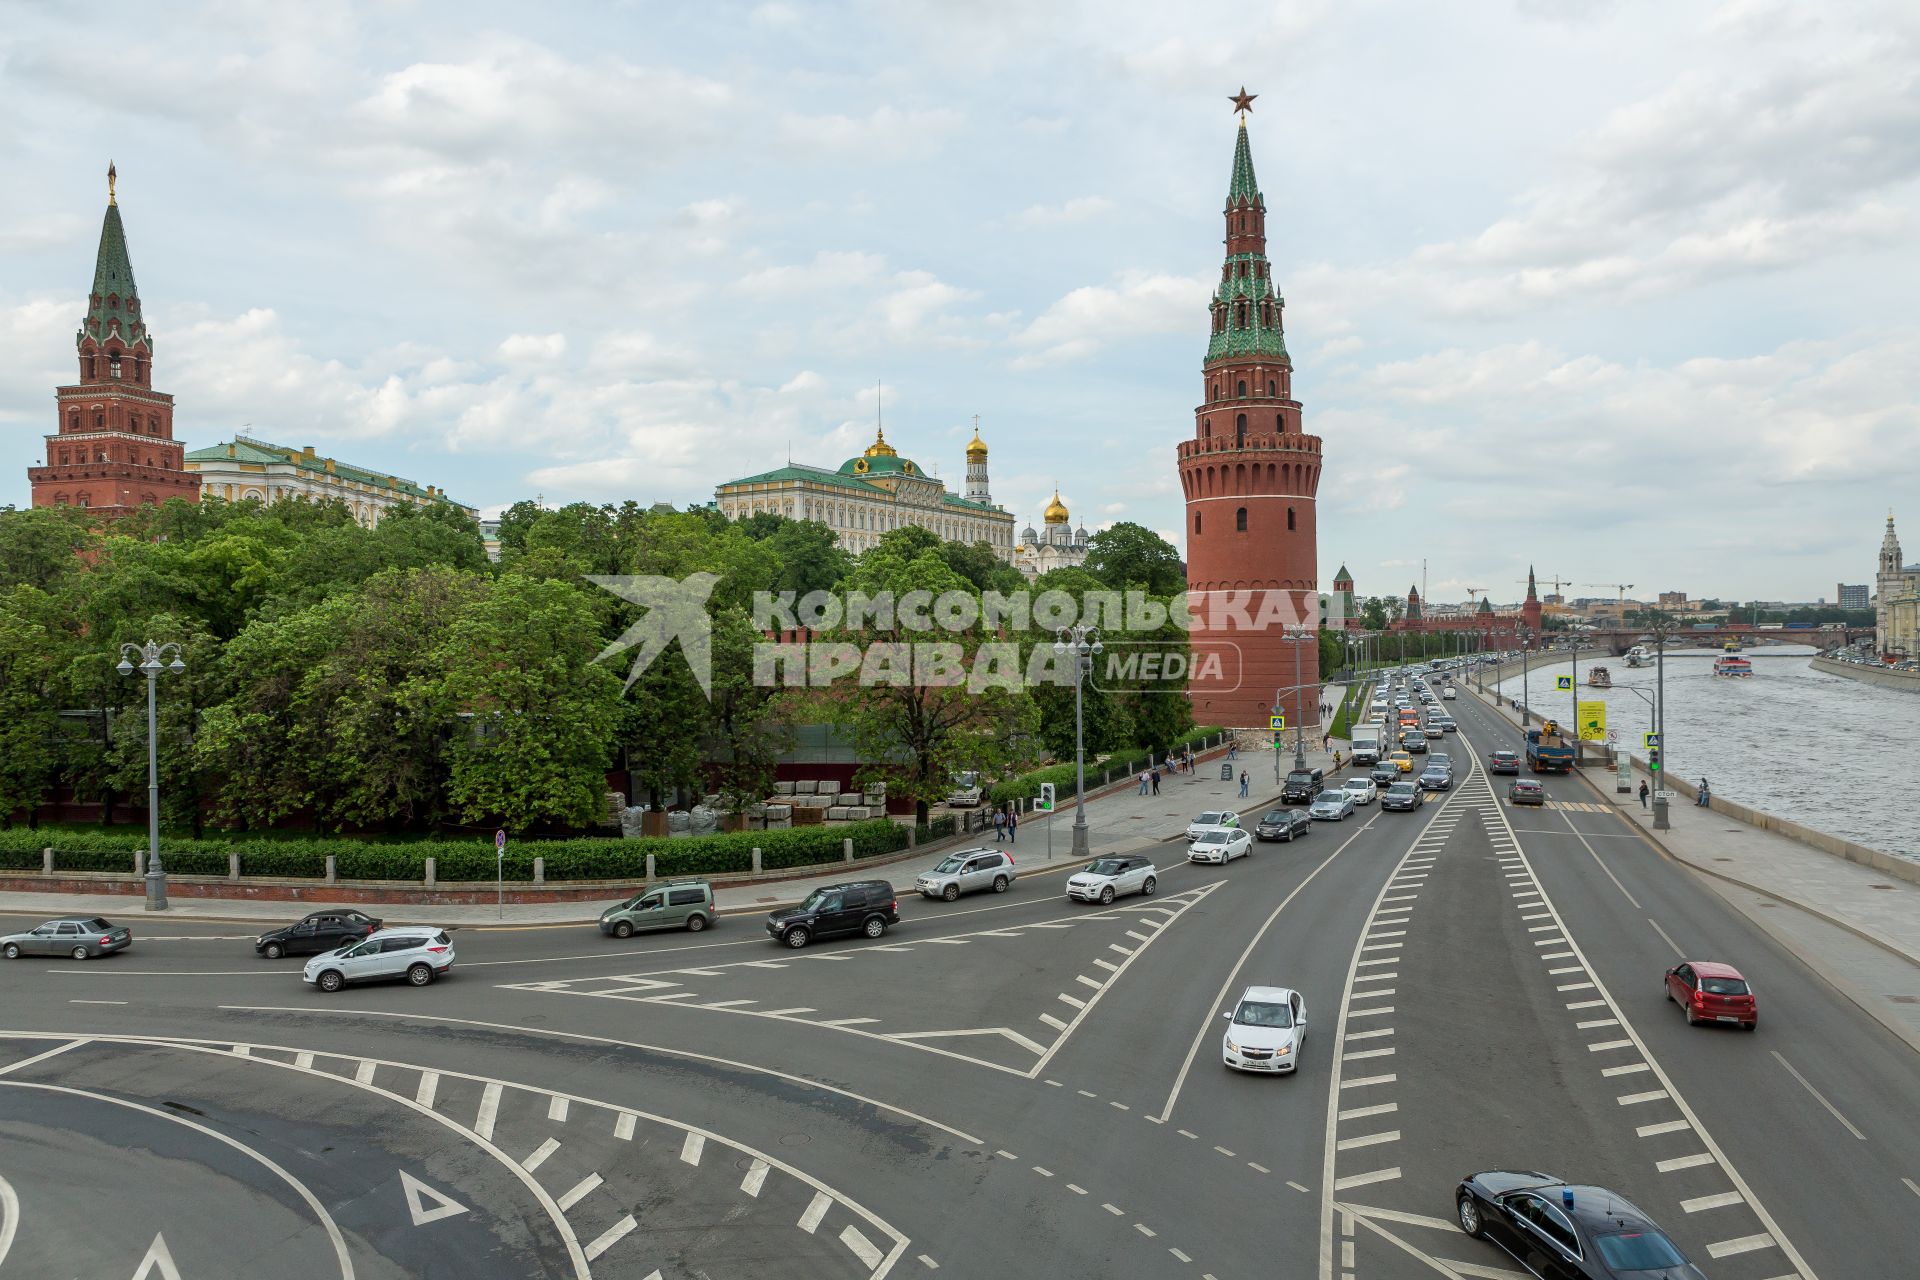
(861, 1247)
(610, 1237)
(579, 1191)
(756, 1178)
(816, 1209)
(1682, 1162)
(1720, 1200)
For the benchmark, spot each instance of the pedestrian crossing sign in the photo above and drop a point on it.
(1563, 682)
(1276, 723)
(1652, 741)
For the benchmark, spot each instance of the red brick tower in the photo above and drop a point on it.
(1530, 609)
(115, 449)
(1249, 475)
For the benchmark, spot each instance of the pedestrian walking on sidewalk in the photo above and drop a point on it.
(1643, 793)
(1013, 826)
(1233, 750)
(1156, 779)
(1144, 782)
(1243, 784)
(999, 826)
(1326, 740)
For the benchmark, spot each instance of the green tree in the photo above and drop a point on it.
(1131, 555)
(519, 667)
(43, 547)
(1374, 614)
(29, 661)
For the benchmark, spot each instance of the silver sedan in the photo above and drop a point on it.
(82, 937)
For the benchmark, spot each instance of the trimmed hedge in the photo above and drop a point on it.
(585, 858)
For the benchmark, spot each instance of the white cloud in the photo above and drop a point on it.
(1078, 209)
(533, 348)
(1141, 303)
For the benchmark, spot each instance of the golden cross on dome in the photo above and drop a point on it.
(1242, 102)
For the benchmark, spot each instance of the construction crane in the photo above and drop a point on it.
(1621, 587)
(1473, 593)
(1543, 579)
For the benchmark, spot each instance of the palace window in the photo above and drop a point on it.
(1289, 519)
(1243, 388)
(1196, 519)
(113, 366)
(1240, 519)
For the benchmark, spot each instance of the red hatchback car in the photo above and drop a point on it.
(1708, 992)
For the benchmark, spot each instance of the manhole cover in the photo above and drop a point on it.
(1723, 859)
(795, 1139)
(1905, 999)
(1879, 886)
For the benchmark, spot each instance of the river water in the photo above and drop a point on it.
(1798, 743)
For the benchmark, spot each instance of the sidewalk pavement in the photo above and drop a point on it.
(1858, 899)
(1119, 820)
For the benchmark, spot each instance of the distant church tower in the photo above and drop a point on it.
(114, 451)
(1530, 609)
(977, 469)
(1249, 476)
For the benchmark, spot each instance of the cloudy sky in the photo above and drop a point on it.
(1622, 289)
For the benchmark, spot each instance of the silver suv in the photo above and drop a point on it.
(418, 953)
(966, 871)
(686, 904)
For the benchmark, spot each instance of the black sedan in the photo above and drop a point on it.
(1283, 824)
(320, 932)
(1561, 1229)
(1384, 775)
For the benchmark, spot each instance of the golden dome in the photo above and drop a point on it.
(880, 448)
(977, 450)
(1056, 512)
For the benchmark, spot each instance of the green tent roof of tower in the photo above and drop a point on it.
(1343, 575)
(1245, 185)
(115, 297)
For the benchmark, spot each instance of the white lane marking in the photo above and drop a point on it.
(1365, 1179)
(1125, 951)
(429, 1085)
(1631, 1069)
(794, 1012)
(1228, 1154)
(1818, 1096)
(1663, 933)
(1144, 1229)
(1361, 1082)
(816, 1210)
(363, 1074)
(1556, 955)
(623, 1126)
(1631, 1099)
(1119, 1106)
(729, 1004)
(96, 1002)
(1371, 1035)
(1181, 1256)
(41, 1057)
(538, 1156)
(1055, 1023)
(1366, 1053)
(1566, 968)
(557, 1109)
(1114, 1210)
(489, 1110)
(756, 1177)
(1605, 1045)
(1075, 1002)
(848, 1022)
(1374, 977)
(1006, 1155)
(862, 1247)
(1076, 1189)
(1587, 1004)
(1682, 1162)
(610, 1237)
(699, 973)
(1085, 981)
(763, 964)
(1665, 1126)
(1109, 967)
(1575, 986)
(1367, 1140)
(578, 1192)
(1720, 1201)
(1139, 937)
(1377, 960)
(949, 942)
(691, 1148)
(1745, 1244)
(1367, 1013)
(1045, 1173)
(1384, 1108)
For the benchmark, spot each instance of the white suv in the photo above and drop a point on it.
(418, 953)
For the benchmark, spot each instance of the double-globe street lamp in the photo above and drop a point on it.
(1083, 642)
(1298, 636)
(150, 665)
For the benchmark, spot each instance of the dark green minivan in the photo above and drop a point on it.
(684, 904)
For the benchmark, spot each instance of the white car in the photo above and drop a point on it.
(1331, 806)
(1221, 845)
(1265, 1031)
(418, 953)
(1108, 878)
(1212, 819)
(1360, 790)
(1450, 693)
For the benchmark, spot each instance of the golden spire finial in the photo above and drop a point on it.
(111, 198)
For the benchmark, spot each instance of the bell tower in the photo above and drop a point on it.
(1249, 475)
(113, 450)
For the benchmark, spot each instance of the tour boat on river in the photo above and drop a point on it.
(1731, 666)
(1599, 678)
(1638, 656)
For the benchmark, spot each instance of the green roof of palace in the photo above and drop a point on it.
(880, 464)
(113, 283)
(799, 471)
(266, 453)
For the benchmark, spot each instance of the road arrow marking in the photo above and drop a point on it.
(424, 1205)
(158, 1263)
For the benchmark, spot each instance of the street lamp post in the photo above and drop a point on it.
(1083, 642)
(1526, 695)
(1298, 637)
(1660, 726)
(150, 655)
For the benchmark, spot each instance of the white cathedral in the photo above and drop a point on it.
(1060, 547)
(1896, 607)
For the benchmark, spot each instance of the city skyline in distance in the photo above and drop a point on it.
(432, 253)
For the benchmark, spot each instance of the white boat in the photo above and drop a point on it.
(1732, 666)
(1639, 657)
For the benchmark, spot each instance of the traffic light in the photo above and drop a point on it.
(1653, 762)
(1276, 742)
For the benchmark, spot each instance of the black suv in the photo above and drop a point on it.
(1302, 786)
(860, 906)
(320, 932)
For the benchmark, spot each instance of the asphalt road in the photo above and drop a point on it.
(1002, 1086)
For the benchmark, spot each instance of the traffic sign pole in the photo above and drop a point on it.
(500, 870)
